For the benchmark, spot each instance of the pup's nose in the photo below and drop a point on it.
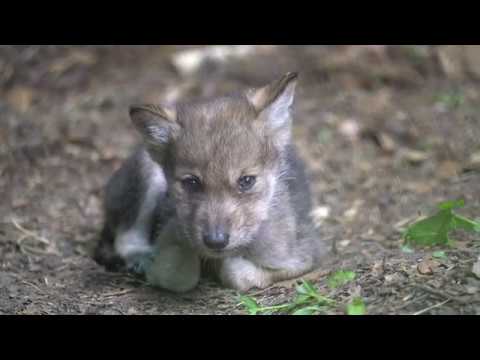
(216, 240)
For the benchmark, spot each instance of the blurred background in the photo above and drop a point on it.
(387, 131)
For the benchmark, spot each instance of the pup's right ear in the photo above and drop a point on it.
(156, 123)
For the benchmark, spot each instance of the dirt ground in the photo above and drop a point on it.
(387, 132)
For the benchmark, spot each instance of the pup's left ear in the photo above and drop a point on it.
(273, 104)
(156, 123)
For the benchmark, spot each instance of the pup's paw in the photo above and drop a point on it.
(174, 268)
(242, 275)
(139, 264)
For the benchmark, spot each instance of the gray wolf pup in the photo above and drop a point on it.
(216, 185)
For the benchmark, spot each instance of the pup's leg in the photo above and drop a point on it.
(131, 198)
(242, 274)
(175, 266)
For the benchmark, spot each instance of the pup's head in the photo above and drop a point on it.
(222, 161)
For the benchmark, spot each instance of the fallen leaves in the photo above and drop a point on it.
(428, 266)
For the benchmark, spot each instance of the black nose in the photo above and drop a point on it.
(216, 240)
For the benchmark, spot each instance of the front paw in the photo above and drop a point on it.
(242, 275)
(174, 268)
(139, 264)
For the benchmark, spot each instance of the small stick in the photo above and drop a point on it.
(442, 294)
(117, 293)
(431, 307)
(412, 301)
(33, 285)
(29, 233)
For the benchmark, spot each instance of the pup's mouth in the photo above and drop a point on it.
(218, 254)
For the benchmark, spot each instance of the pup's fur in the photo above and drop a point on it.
(148, 204)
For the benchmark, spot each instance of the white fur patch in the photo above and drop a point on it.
(132, 242)
(135, 240)
(242, 274)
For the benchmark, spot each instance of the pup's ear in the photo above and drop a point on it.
(273, 104)
(156, 123)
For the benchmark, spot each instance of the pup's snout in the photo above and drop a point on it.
(217, 239)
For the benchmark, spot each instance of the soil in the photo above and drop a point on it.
(387, 133)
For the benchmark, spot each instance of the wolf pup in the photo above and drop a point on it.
(215, 180)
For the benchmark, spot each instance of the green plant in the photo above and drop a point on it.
(356, 307)
(308, 301)
(434, 230)
(451, 100)
(340, 278)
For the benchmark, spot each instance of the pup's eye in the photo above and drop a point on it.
(191, 183)
(246, 182)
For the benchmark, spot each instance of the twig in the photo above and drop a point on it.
(431, 307)
(412, 301)
(36, 251)
(118, 293)
(442, 294)
(33, 285)
(28, 233)
(259, 292)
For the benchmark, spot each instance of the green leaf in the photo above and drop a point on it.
(306, 288)
(449, 205)
(302, 299)
(407, 249)
(340, 278)
(460, 222)
(301, 290)
(430, 231)
(356, 307)
(309, 287)
(310, 310)
(451, 99)
(434, 230)
(477, 228)
(439, 255)
(250, 304)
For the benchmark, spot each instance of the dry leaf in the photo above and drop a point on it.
(20, 98)
(448, 169)
(386, 142)
(415, 156)
(427, 266)
(419, 187)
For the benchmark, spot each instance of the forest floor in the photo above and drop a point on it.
(386, 135)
